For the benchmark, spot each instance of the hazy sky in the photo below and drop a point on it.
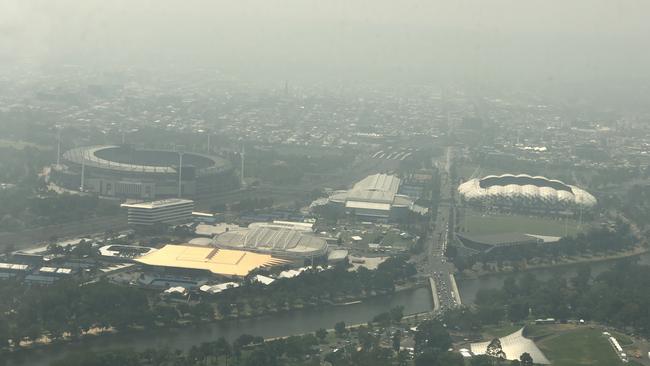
(429, 40)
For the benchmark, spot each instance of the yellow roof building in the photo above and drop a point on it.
(222, 262)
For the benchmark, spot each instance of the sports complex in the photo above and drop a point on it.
(281, 239)
(376, 197)
(128, 172)
(526, 193)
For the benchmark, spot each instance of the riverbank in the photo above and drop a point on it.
(636, 251)
(45, 341)
(414, 301)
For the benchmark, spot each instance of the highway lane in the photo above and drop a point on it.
(437, 267)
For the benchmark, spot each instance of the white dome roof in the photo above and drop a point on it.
(509, 187)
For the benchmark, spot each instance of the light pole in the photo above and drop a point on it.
(83, 171)
(180, 174)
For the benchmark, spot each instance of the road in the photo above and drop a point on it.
(442, 231)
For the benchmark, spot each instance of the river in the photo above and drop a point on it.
(295, 322)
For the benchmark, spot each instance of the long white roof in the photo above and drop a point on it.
(375, 188)
(157, 204)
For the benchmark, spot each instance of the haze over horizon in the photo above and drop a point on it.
(583, 42)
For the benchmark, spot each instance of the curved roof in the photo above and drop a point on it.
(522, 180)
(128, 159)
(509, 187)
(278, 239)
(375, 192)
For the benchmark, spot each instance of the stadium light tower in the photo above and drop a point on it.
(243, 155)
(58, 147)
(83, 171)
(180, 174)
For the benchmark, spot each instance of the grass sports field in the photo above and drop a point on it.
(580, 347)
(485, 224)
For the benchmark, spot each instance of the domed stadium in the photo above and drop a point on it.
(525, 191)
(128, 172)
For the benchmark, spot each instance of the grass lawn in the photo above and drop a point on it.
(478, 224)
(580, 347)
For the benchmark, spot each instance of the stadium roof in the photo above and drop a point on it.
(281, 239)
(126, 159)
(157, 204)
(508, 187)
(223, 262)
(380, 188)
(375, 193)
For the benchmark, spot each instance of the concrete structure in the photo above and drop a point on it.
(124, 171)
(337, 255)
(283, 239)
(169, 211)
(374, 197)
(220, 262)
(525, 192)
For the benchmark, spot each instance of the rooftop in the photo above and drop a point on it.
(157, 204)
(279, 238)
(375, 188)
(223, 262)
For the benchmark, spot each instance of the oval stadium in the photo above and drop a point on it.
(128, 172)
(525, 192)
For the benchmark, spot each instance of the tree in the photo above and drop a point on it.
(402, 358)
(450, 359)
(526, 359)
(397, 339)
(321, 334)
(494, 349)
(431, 334)
(397, 313)
(339, 328)
(224, 308)
(426, 358)
(481, 360)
